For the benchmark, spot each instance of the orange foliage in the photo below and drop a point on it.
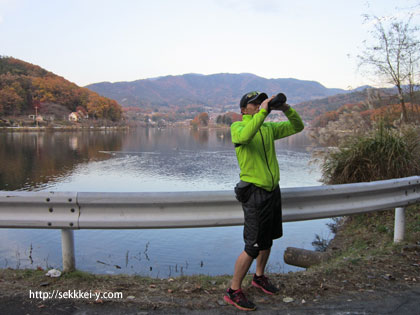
(22, 84)
(10, 100)
(390, 112)
(234, 116)
(201, 119)
(322, 120)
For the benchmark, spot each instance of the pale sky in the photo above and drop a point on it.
(90, 41)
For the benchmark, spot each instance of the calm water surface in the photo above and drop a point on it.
(143, 160)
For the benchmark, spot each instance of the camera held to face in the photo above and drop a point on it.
(277, 102)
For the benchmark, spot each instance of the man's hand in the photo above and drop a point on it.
(284, 107)
(265, 103)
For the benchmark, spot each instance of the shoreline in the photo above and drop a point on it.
(101, 128)
(61, 128)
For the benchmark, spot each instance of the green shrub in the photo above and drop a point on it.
(382, 229)
(384, 153)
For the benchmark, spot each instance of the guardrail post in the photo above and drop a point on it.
(67, 249)
(399, 226)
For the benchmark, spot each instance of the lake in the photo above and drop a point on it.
(171, 159)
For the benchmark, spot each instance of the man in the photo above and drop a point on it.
(258, 189)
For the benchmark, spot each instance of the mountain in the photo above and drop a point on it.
(214, 90)
(24, 86)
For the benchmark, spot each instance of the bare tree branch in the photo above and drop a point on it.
(394, 54)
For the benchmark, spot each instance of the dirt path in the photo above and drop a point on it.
(381, 302)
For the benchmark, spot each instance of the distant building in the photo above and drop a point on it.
(74, 116)
(79, 114)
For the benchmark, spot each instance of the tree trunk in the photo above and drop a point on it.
(404, 109)
(303, 257)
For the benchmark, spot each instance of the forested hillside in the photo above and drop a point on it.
(216, 90)
(24, 86)
(378, 107)
(373, 98)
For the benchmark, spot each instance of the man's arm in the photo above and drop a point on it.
(243, 134)
(286, 128)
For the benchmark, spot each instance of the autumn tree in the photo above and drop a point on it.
(228, 118)
(10, 101)
(393, 55)
(203, 119)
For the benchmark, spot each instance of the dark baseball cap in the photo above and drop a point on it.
(252, 97)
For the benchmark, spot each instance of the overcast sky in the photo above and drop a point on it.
(89, 41)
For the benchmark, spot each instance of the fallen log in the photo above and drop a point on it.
(304, 258)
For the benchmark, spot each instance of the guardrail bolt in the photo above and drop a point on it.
(71, 224)
(51, 209)
(48, 199)
(70, 200)
(72, 210)
(49, 224)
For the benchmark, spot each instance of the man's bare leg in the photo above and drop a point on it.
(242, 265)
(262, 261)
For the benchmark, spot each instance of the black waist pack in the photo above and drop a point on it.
(243, 191)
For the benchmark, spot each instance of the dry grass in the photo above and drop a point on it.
(384, 153)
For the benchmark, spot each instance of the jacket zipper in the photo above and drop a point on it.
(266, 160)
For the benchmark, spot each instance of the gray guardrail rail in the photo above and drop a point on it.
(141, 210)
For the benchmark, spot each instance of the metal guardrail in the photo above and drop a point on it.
(93, 210)
(111, 210)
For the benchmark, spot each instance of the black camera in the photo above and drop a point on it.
(277, 102)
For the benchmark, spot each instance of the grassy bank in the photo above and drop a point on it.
(363, 240)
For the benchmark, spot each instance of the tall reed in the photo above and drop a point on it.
(384, 153)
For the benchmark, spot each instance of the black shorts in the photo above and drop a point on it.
(263, 218)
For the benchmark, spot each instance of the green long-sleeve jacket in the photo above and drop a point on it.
(254, 145)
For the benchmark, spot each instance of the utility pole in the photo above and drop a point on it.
(36, 115)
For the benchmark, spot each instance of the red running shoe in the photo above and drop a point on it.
(264, 284)
(238, 299)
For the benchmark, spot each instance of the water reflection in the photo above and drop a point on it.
(30, 160)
